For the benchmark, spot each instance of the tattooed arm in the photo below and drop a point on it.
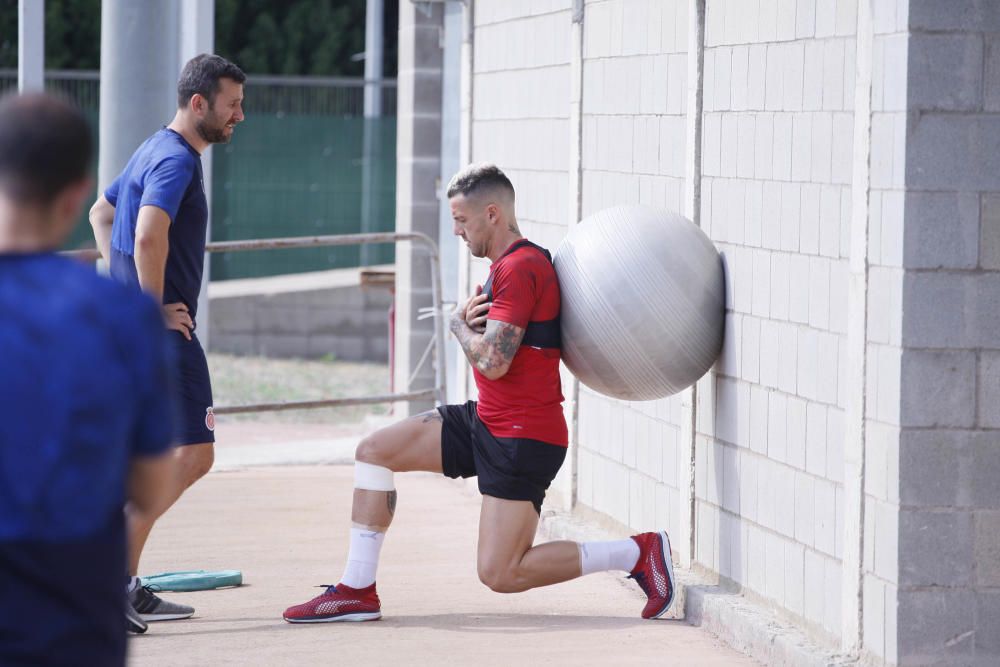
(490, 352)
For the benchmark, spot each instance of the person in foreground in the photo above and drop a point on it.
(514, 438)
(85, 415)
(150, 225)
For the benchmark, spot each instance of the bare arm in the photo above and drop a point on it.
(152, 482)
(490, 352)
(151, 247)
(102, 218)
(152, 244)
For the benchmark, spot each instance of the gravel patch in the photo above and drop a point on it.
(245, 380)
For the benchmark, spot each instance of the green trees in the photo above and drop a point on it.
(297, 37)
(8, 34)
(310, 37)
(72, 34)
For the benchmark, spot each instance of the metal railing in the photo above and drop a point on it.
(435, 348)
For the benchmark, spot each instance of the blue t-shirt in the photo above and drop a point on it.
(165, 171)
(85, 388)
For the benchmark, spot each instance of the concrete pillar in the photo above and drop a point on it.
(947, 607)
(138, 94)
(197, 35)
(852, 580)
(451, 162)
(564, 486)
(463, 373)
(692, 210)
(31, 45)
(418, 167)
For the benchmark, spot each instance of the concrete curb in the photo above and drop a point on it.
(744, 625)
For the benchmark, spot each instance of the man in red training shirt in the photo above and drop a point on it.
(514, 438)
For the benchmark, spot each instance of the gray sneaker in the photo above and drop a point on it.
(152, 608)
(133, 622)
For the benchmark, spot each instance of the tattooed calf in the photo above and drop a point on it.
(390, 500)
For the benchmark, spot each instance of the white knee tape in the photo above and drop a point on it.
(372, 477)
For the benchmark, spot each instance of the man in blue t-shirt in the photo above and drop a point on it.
(151, 225)
(85, 409)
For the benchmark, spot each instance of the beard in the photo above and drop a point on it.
(213, 134)
(474, 250)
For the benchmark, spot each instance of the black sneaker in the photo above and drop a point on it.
(152, 608)
(134, 622)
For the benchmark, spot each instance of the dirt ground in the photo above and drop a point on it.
(286, 528)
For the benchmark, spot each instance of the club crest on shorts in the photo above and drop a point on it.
(209, 419)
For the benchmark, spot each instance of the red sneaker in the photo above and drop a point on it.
(654, 572)
(338, 603)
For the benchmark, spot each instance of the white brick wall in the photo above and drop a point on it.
(776, 162)
(634, 94)
(521, 122)
(777, 158)
(634, 151)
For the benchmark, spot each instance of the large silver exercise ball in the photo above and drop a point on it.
(643, 302)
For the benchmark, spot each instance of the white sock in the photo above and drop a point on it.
(362, 559)
(132, 584)
(613, 555)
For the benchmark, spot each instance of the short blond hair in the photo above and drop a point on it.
(478, 178)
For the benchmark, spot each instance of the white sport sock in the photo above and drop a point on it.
(362, 558)
(132, 584)
(613, 555)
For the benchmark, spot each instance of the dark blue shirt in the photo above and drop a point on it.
(165, 171)
(85, 388)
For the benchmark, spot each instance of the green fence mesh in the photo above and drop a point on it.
(296, 167)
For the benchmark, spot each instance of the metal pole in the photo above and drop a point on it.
(440, 370)
(329, 240)
(30, 45)
(374, 50)
(325, 403)
(371, 144)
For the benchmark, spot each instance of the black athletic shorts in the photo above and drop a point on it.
(508, 468)
(193, 391)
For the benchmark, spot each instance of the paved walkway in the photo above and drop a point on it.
(286, 529)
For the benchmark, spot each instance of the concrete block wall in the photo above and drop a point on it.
(309, 315)
(776, 198)
(632, 151)
(948, 473)
(635, 65)
(520, 112)
(521, 109)
(418, 166)
(899, 337)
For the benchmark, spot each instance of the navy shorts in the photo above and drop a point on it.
(196, 422)
(508, 468)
